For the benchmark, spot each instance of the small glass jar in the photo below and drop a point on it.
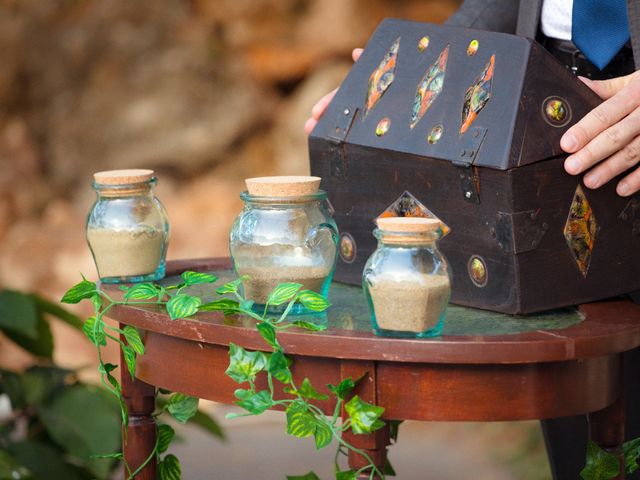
(406, 280)
(127, 227)
(285, 233)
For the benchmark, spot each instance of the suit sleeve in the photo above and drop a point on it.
(493, 15)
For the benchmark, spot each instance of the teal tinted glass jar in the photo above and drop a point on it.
(407, 281)
(127, 227)
(285, 233)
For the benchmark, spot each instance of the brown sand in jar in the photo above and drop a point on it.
(409, 305)
(126, 253)
(263, 280)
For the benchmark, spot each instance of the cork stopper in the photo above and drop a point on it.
(123, 177)
(283, 186)
(408, 224)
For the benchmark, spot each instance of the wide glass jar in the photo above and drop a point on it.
(285, 233)
(127, 227)
(406, 280)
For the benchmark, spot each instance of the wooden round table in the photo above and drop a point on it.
(485, 367)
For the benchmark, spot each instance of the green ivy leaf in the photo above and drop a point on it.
(96, 300)
(600, 465)
(268, 333)
(254, 403)
(364, 416)
(93, 328)
(129, 355)
(243, 364)
(307, 391)
(18, 314)
(80, 291)
(323, 434)
(343, 389)
(165, 436)
(183, 306)
(283, 293)
(182, 407)
(133, 339)
(232, 287)
(224, 305)
(169, 468)
(142, 291)
(246, 305)
(346, 475)
(313, 301)
(314, 327)
(278, 366)
(308, 476)
(195, 278)
(301, 422)
(631, 451)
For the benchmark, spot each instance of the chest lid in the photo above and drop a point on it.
(467, 96)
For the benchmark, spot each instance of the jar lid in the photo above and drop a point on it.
(123, 177)
(282, 186)
(408, 224)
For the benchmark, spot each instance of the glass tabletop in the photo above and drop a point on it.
(349, 311)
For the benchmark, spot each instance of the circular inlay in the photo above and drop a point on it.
(347, 248)
(383, 127)
(435, 134)
(556, 111)
(477, 271)
(472, 49)
(423, 44)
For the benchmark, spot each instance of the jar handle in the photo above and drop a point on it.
(313, 233)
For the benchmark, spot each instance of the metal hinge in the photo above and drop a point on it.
(519, 232)
(337, 138)
(471, 143)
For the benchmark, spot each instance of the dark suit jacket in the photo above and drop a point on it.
(512, 16)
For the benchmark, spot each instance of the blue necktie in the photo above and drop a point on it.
(600, 28)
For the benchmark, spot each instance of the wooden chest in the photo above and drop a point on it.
(465, 125)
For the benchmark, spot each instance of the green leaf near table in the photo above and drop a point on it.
(308, 391)
(182, 407)
(301, 422)
(133, 339)
(283, 293)
(224, 305)
(343, 389)
(631, 451)
(93, 328)
(196, 278)
(80, 291)
(252, 402)
(313, 301)
(169, 468)
(365, 418)
(346, 475)
(142, 291)
(278, 366)
(268, 333)
(84, 421)
(314, 327)
(243, 364)
(165, 435)
(183, 306)
(600, 465)
(308, 476)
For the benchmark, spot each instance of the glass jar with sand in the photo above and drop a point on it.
(285, 233)
(127, 227)
(407, 280)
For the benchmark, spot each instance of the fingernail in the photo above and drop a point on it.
(568, 143)
(623, 189)
(572, 165)
(592, 181)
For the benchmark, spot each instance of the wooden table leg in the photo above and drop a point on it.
(375, 444)
(607, 427)
(140, 438)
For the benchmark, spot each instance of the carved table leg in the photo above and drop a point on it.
(140, 438)
(375, 444)
(606, 428)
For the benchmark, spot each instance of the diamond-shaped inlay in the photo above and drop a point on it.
(406, 205)
(581, 230)
(382, 77)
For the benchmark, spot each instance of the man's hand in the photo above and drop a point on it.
(322, 104)
(608, 136)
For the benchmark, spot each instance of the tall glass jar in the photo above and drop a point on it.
(406, 280)
(285, 233)
(127, 227)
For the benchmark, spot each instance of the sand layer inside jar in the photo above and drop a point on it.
(263, 280)
(409, 305)
(126, 253)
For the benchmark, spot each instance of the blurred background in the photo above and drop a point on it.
(206, 93)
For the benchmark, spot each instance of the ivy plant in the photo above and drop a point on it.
(304, 418)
